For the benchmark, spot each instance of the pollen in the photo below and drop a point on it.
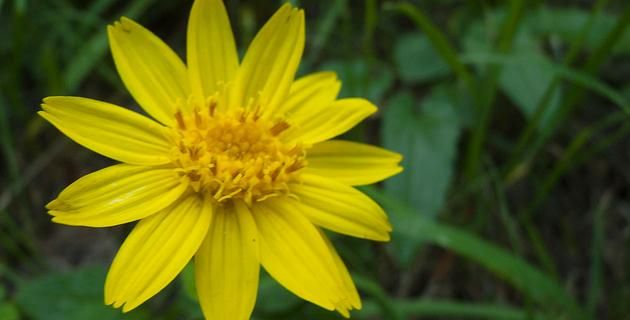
(234, 154)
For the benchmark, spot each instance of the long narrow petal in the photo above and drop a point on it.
(352, 163)
(110, 130)
(328, 121)
(116, 195)
(294, 253)
(212, 57)
(340, 208)
(157, 249)
(227, 265)
(154, 75)
(310, 92)
(269, 66)
(343, 277)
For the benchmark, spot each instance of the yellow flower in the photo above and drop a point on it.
(238, 170)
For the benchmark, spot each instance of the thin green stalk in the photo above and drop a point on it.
(439, 41)
(510, 225)
(596, 274)
(489, 90)
(542, 289)
(448, 309)
(15, 241)
(375, 291)
(534, 123)
(95, 49)
(6, 140)
(325, 27)
(577, 93)
(371, 20)
(604, 144)
(567, 160)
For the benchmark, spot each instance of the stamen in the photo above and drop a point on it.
(211, 107)
(278, 128)
(180, 120)
(235, 154)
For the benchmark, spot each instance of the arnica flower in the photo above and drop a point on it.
(237, 169)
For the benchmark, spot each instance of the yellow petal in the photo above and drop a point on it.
(110, 130)
(116, 195)
(327, 121)
(311, 92)
(212, 57)
(227, 265)
(344, 277)
(294, 253)
(157, 249)
(269, 66)
(352, 163)
(340, 208)
(154, 75)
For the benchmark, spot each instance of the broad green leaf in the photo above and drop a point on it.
(75, 295)
(438, 40)
(526, 71)
(566, 24)
(428, 143)
(416, 59)
(575, 77)
(526, 79)
(360, 78)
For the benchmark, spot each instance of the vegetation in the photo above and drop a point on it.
(512, 116)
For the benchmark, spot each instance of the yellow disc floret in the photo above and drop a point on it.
(234, 154)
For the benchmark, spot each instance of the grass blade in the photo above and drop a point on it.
(439, 41)
(596, 273)
(447, 309)
(533, 283)
(488, 92)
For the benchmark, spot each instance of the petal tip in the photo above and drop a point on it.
(55, 203)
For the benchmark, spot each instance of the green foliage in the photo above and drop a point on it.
(430, 138)
(416, 60)
(8, 311)
(70, 295)
(512, 118)
(361, 78)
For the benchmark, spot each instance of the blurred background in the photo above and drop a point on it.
(512, 116)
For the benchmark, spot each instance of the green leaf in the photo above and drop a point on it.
(566, 24)
(76, 295)
(8, 311)
(526, 72)
(361, 79)
(428, 143)
(526, 78)
(535, 284)
(187, 277)
(447, 309)
(438, 40)
(273, 298)
(416, 59)
(573, 76)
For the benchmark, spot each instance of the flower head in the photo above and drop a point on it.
(237, 171)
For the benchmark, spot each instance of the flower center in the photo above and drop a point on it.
(234, 154)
